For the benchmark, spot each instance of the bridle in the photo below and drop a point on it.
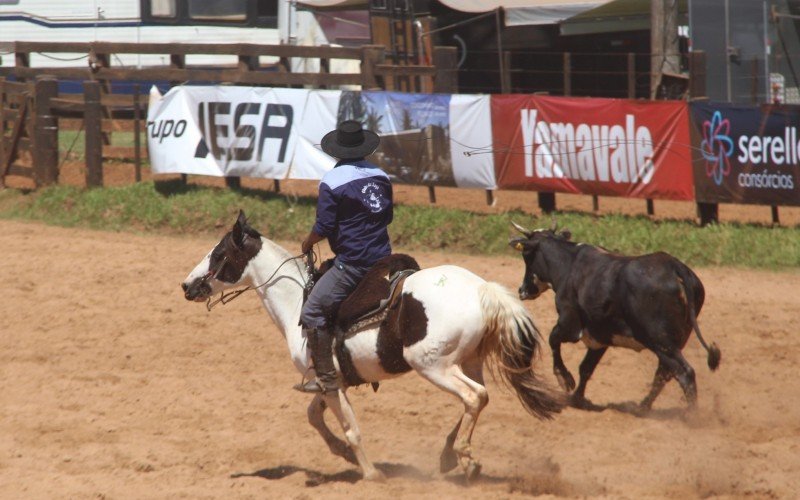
(225, 297)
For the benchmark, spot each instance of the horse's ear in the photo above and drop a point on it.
(238, 229)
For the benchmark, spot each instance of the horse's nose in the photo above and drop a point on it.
(184, 286)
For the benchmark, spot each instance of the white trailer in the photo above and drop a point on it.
(153, 21)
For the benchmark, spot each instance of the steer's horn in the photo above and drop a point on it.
(555, 224)
(521, 229)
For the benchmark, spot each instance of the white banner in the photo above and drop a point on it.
(471, 141)
(225, 131)
(275, 133)
(319, 119)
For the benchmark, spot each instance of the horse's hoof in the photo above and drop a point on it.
(448, 461)
(472, 471)
(375, 476)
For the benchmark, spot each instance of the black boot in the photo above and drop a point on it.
(320, 341)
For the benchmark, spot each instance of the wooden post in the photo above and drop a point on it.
(631, 75)
(651, 210)
(93, 130)
(45, 141)
(276, 184)
(697, 74)
(567, 74)
(446, 79)
(178, 61)
(547, 202)
(595, 203)
(371, 56)
(490, 197)
(22, 60)
(324, 67)
(506, 78)
(431, 194)
(2, 123)
(137, 139)
(663, 42)
(776, 220)
(233, 182)
(708, 213)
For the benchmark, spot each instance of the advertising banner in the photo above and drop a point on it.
(746, 154)
(608, 147)
(424, 136)
(225, 131)
(276, 133)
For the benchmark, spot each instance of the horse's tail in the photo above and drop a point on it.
(509, 344)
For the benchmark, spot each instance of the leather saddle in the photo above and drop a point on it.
(378, 291)
(373, 299)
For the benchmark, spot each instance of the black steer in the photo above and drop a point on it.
(647, 302)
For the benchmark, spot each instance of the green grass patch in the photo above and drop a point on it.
(168, 207)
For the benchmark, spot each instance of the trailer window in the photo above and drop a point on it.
(162, 8)
(218, 10)
(267, 8)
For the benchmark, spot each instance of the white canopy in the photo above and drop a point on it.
(517, 12)
(525, 12)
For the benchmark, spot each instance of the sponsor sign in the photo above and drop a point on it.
(276, 133)
(225, 131)
(746, 154)
(607, 147)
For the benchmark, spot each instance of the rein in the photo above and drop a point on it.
(224, 297)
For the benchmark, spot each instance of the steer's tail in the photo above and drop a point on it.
(509, 344)
(691, 286)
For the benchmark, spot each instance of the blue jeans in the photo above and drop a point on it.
(329, 292)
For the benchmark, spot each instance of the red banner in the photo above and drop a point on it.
(608, 147)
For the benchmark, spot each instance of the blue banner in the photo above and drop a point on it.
(746, 154)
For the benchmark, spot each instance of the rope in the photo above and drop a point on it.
(224, 298)
(63, 58)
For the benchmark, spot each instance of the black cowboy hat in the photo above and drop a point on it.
(350, 140)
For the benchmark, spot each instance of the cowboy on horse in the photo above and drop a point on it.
(354, 208)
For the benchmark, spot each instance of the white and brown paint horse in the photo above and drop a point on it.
(449, 322)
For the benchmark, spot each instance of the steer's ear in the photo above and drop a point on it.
(521, 244)
(565, 235)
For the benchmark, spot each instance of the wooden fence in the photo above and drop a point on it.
(32, 111)
(374, 73)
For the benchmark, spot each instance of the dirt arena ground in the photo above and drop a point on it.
(113, 386)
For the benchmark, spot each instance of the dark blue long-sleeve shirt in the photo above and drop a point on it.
(353, 209)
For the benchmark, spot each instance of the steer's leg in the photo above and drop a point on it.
(315, 417)
(662, 376)
(340, 406)
(685, 376)
(589, 363)
(567, 329)
(683, 372)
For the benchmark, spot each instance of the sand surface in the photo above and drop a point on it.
(113, 386)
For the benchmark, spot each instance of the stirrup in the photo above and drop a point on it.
(314, 387)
